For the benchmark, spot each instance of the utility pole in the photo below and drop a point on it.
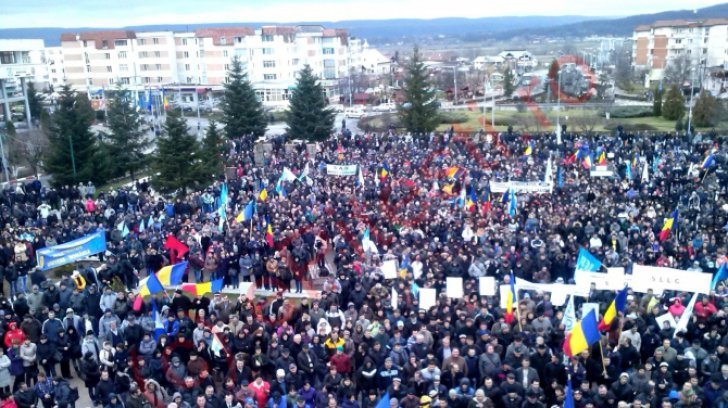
(558, 109)
(2, 157)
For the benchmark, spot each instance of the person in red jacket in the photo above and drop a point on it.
(704, 309)
(261, 390)
(13, 333)
(341, 361)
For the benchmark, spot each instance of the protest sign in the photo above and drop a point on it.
(389, 269)
(486, 286)
(341, 170)
(661, 279)
(454, 288)
(428, 298)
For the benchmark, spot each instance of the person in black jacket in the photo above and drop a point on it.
(91, 374)
(62, 393)
(25, 397)
(105, 388)
(46, 354)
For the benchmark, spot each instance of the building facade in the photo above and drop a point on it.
(700, 42)
(21, 61)
(271, 56)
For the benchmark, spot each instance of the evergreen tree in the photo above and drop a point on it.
(657, 103)
(674, 106)
(308, 118)
(211, 153)
(127, 140)
(419, 113)
(72, 154)
(707, 111)
(177, 155)
(33, 101)
(243, 114)
(508, 86)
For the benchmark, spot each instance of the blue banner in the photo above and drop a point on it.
(59, 255)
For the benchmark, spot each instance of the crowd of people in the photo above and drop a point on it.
(343, 344)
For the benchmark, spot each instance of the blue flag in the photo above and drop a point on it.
(158, 323)
(587, 262)
(249, 211)
(560, 178)
(569, 395)
(384, 402)
(629, 171)
(720, 276)
(513, 204)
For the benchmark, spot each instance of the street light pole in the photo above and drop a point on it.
(558, 109)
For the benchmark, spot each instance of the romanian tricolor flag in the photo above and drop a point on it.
(529, 149)
(471, 200)
(670, 223)
(618, 305)
(172, 274)
(708, 162)
(602, 158)
(453, 172)
(269, 235)
(384, 172)
(486, 202)
(448, 188)
(199, 289)
(582, 336)
(587, 162)
(510, 300)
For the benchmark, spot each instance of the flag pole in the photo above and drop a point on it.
(601, 352)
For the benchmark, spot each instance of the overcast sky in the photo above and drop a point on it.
(117, 13)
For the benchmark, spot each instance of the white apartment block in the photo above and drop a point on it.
(702, 42)
(20, 61)
(271, 56)
(54, 63)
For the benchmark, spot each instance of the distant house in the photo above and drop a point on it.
(482, 62)
(519, 59)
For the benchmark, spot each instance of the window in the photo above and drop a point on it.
(269, 64)
(122, 54)
(223, 40)
(155, 40)
(7, 57)
(108, 68)
(158, 67)
(189, 80)
(157, 54)
(88, 68)
(269, 77)
(238, 40)
(143, 54)
(120, 43)
(104, 44)
(225, 53)
(187, 67)
(227, 67)
(111, 81)
(267, 51)
(328, 51)
(267, 38)
(160, 79)
(85, 43)
(123, 67)
(147, 80)
(144, 67)
(124, 80)
(141, 41)
(186, 54)
(107, 55)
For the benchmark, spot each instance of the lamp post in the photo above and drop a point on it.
(558, 108)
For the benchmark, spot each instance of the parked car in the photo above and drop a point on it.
(357, 113)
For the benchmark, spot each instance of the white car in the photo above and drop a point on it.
(357, 113)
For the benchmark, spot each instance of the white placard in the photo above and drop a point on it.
(659, 279)
(521, 186)
(486, 286)
(601, 171)
(587, 307)
(428, 298)
(389, 269)
(454, 288)
(341, 170)
(667, 317)
(395, 299)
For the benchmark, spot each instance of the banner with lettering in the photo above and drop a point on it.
(659, 279)
(341, 170)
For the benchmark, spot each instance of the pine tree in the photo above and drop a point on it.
(33, 101)
(243, 113)
(211, 153)
(308, 117)
(508, 86)
(177, 155)
(657, 103)
(707, 110)
(674, 106)
(419, 114)
(127, 140)
(72, 154)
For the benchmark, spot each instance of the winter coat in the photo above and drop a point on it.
(5, 377)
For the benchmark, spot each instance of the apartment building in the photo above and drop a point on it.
(20, 61)
(271, 56)
(701, 42)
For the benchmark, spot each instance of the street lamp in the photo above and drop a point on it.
(558, 108)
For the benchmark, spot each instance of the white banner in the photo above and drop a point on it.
(339, 170)
(428, 298)
(659, 279)
(601, 171)
(558, 291)
(521, 186)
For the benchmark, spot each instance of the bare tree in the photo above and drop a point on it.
(677, 70)
(586, 122)
(28, 150)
